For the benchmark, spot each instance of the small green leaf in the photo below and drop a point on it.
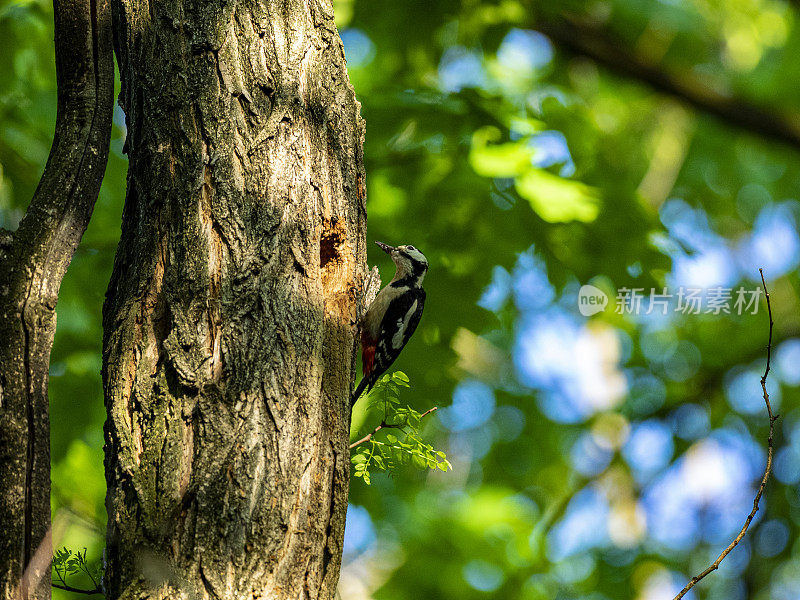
(401, 379)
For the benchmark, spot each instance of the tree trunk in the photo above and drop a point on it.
(33, 261)
(229, 341)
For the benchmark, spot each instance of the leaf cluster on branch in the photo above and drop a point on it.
(406, 446)
(67, 563)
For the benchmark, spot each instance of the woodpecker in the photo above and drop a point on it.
(393, 316)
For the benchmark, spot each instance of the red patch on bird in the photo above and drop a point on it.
(367, 354)
(368, 358)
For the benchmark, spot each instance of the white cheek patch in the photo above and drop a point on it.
(402, 325)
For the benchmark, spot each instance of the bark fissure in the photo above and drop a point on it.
(30, 450)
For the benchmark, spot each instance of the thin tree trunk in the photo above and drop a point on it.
(33, 261)
(229, 344)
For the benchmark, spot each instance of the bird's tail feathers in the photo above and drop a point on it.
(366, 381)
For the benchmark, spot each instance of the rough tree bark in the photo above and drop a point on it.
(229, 343)
(33, 261)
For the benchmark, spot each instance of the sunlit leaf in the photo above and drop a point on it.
(498, 160)
(556, 199)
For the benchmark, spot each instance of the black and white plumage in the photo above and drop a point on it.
(393, 316)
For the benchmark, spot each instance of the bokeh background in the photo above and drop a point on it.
(529, 148)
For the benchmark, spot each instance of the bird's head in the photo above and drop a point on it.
(411, 263)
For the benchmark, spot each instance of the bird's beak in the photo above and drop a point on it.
(385, 247)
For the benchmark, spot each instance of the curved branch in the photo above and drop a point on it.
(592, 42)
(772, 418)
(69, 588)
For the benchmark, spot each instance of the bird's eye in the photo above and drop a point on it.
(411, 247)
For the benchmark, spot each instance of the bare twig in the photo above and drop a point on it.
(60, 576)
(85, 569)
(772, 418)
(385, 425)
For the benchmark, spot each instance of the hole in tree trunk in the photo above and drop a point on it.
(330, 243)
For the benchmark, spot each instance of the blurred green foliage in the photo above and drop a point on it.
(601, 457)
